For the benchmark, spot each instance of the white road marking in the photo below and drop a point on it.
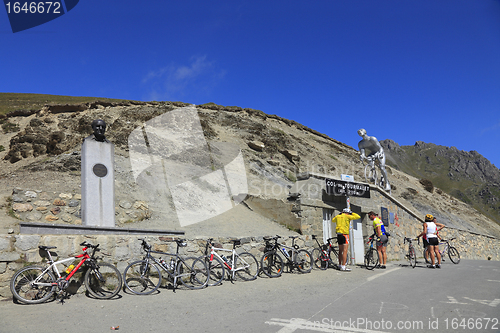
(452, 300)
(380, 274)
(492, 303)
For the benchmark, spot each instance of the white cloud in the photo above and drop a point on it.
(176, 82)
(492, 128)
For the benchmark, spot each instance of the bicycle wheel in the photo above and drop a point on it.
(334, 258)
(412, 256)
(303, 260)
(247, 266)
(216, 269)
(142, 279)
(454, 255)
(25, 290)
(192, 273)
(103, 281)
(320, 259)
(272, 264)
(371, 259)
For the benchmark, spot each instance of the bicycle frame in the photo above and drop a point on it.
(289, 255)
(443, 250)
(177, 257)
(53, 265)
(411, 254)
(234, 255)
(327, 249)
(369, 254)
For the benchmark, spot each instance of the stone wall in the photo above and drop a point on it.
(17, 251)
(34, 205)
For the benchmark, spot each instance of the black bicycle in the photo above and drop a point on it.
(144, 276)
(322, 255)
(272, 262)
(411, 254)
(371, 256)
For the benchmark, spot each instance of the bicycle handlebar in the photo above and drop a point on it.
(89, 245)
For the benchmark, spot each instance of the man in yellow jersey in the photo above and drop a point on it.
(379, 229)
(343, 220)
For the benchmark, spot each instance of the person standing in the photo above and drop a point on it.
(343, 221)
(382, 240)
(430, 231)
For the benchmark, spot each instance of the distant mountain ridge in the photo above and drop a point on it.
(467, 176)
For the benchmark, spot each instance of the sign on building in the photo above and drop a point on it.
(339, 187)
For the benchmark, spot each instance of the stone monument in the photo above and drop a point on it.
(98, 178)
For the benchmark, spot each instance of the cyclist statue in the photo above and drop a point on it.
(370, 150)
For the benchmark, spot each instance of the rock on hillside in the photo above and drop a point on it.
(467, 176)
(44, 157)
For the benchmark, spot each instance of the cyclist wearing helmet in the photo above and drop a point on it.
(382, 240)
(343, 220)
(430, 231)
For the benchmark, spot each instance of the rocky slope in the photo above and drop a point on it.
(467, 176)
(43, 158)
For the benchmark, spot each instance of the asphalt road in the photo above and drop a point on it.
(464, 297)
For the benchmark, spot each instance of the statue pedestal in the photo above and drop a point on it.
(98, 183)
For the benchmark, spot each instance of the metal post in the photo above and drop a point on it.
(351, 235)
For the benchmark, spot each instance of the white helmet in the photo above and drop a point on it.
(347, 210)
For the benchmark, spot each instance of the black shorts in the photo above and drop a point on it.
(433, 241)
(342, 239)
(425, 242)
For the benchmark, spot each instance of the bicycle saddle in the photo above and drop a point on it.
(46, 248)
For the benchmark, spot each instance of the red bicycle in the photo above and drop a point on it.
(36, 284)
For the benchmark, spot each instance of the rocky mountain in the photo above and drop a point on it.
(41, 156)
(467, 176)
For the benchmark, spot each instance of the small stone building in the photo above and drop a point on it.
(315, 209)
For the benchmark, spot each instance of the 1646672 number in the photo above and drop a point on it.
(27, 7)
(475, 324)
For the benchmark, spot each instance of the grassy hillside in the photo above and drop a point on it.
(14, 101)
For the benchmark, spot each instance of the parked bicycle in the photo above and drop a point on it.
(272, 263)
(37, 283)
(144, 276)
(445, 246)
(322, 255)
(243, 265)
(411, 254)
(371, 256)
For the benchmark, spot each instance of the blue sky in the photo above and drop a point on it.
(406, 70)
